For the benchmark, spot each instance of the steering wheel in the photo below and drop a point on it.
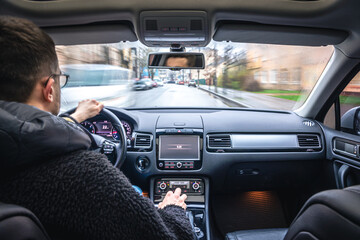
(115, 152)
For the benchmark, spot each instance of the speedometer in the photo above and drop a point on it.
(127, 129)
(89, 126)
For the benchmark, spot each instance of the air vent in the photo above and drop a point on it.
(309, 141)
(219, 141)
(151, 25)
(196, 25)
(143, 141)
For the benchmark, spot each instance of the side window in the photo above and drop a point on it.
(348, 99)
(350, 96)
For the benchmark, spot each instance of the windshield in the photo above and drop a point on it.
(258, 76)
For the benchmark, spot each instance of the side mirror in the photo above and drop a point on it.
(350, 121)
(176, 60)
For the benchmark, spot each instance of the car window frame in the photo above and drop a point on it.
(334, 99)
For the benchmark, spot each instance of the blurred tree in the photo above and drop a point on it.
(234, 71)
(106, 55)
(142, 59)
(213, 59)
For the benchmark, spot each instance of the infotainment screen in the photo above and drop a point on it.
(179, 147)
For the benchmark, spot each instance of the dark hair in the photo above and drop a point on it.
(27, 53)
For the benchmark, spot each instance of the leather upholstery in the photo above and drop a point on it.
(328, 215)
(18, 223)
(258, 234)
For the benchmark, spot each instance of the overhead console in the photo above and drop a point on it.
(179, 142)
(166, 28)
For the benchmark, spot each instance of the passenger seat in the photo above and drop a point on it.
(328, 215)
(18, 223)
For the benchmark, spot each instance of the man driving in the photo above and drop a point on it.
(46, 165)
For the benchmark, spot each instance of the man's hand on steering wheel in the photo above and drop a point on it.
(115, 151)
(87, 109)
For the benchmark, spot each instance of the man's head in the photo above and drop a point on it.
(28, 59)
(177, 61)
(180, 61)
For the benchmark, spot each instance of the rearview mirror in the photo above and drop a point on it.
(176, 60)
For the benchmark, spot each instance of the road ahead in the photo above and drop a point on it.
(171, 95)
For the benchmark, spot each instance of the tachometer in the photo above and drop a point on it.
(89, 126)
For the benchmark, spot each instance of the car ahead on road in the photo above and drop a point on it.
(275, 118)
(171, 81)
(192, 83)
(181, 82)
(141, 85)
(149, 83)
(154, 83)
(144, 83)
(159, 82)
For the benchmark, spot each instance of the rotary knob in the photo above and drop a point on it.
(196, 186)
(162, 186)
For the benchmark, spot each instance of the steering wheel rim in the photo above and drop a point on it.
(120, 148)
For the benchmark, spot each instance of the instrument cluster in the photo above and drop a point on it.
(105, 129)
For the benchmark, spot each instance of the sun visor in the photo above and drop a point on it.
(92, 33)
(274, 34)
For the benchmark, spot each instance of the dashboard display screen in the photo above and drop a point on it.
(103, 128)
(180, 147)
(180, 184)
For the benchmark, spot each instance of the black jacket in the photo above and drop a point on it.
(29, 136)
(75, 193)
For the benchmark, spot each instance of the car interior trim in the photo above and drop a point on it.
(247, 32)
(92, 33)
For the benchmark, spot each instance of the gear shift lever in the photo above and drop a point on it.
(198, 233)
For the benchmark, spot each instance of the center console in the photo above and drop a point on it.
(179, 150)
(197, 191)
(194, 188)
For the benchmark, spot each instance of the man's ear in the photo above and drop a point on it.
(48, 91)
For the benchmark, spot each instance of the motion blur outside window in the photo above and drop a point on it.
(251, 75)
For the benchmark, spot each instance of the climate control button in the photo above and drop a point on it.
(196, 186)
(162, 186)
(178, 164)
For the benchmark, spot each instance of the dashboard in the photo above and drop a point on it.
(237, 149)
